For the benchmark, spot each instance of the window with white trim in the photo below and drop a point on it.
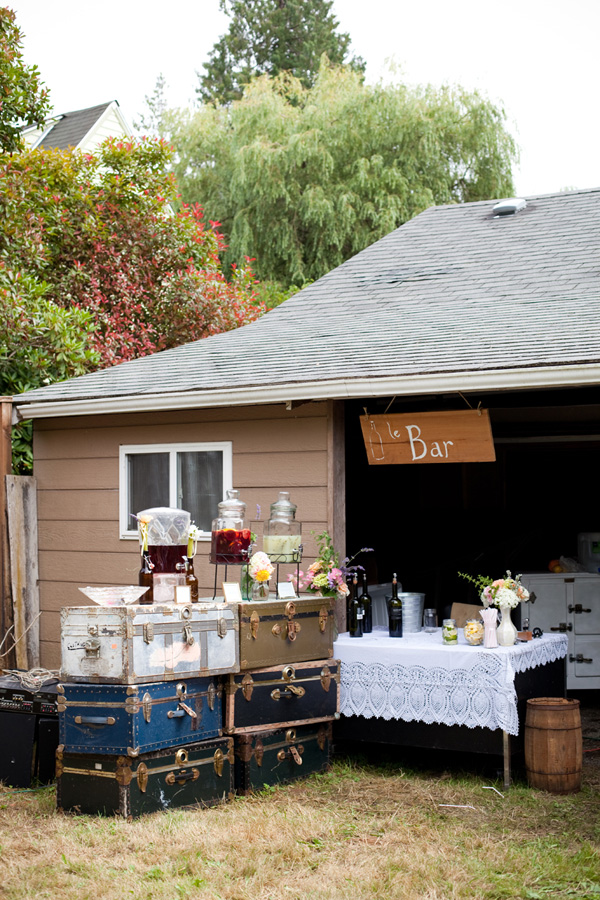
(193, 477)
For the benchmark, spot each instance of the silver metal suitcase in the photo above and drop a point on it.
(135, 644)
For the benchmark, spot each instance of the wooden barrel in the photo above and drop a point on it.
(553, 748)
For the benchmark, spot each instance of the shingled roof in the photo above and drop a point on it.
(82, 129)
(456, 299)
(72, 127)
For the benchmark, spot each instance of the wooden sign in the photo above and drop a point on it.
(437, 437)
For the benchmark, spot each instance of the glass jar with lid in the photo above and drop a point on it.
(473, 632)
(230, 539)
(282, 541)
(449, 631)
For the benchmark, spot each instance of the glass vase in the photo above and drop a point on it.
(506, 631)
(260, 590)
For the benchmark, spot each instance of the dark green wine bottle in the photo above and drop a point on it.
(367, 605)
(355, 611)
(395, 611)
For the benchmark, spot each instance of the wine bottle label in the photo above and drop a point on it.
(359, 614)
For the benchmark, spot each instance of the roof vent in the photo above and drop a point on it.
(509, 207)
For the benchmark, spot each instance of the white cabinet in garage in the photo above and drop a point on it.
(569, 603)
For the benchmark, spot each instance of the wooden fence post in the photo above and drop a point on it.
(6, 610)
(21, 505)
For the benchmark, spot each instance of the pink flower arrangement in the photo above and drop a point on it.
(504, 592)
(327, 575)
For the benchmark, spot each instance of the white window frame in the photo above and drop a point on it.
(128, 529)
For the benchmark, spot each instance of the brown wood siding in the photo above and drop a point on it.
(77, 471)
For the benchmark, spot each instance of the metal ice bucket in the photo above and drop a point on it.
(412, 611)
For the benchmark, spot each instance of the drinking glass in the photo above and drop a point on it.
(430, 619)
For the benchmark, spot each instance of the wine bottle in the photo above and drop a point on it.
(395, 611)
(355, 611)
(367, 605)
(190, 579)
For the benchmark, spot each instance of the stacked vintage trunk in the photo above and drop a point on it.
(170, 706)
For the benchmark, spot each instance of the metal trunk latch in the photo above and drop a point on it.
(222, 627)
(294, 752)
(247, 686)
(292, 627)
(254, 623)
(188, 636)
(211, 694)
(92, 648)
(325, 678)
(148, 632)
(292, 690)
(323, 616)
(142, 777)
(146, 706)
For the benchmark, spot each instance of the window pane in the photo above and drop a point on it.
(148, 482)
(200, 485)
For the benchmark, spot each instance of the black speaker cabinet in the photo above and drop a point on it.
(29, 729)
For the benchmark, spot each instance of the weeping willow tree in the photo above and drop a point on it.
(303, 178)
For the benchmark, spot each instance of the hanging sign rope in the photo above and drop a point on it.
(435, 437)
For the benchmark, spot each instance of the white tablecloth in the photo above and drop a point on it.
(418, 678)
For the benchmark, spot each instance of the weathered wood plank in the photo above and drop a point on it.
(21, 508)
(450, 436)
(6, 607)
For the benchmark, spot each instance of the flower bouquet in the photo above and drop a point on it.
(503, 593)
(327, 575)
(260, 570)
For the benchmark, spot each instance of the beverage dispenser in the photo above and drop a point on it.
(230, 538)
(164, 542)
(282, 541)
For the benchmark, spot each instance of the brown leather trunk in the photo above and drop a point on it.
(286, 631)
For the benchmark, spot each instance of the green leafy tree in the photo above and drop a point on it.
(99, 230)
(40, 342)
(96, 268)
(269, 37)
(303, 178)
(23, 99)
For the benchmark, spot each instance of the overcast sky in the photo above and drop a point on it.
(538, 58)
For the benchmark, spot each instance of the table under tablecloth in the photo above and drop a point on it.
(418, 678)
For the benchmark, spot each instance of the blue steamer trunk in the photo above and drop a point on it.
(138, 718)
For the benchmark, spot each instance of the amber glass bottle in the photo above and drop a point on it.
(190, 579)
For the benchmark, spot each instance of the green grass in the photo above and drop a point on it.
(363, 831)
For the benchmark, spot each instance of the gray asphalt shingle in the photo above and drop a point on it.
(454, 290)
(73, 127)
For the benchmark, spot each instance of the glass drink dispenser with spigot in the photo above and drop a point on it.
(282, 540)
(230, 538)
(164, 541)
